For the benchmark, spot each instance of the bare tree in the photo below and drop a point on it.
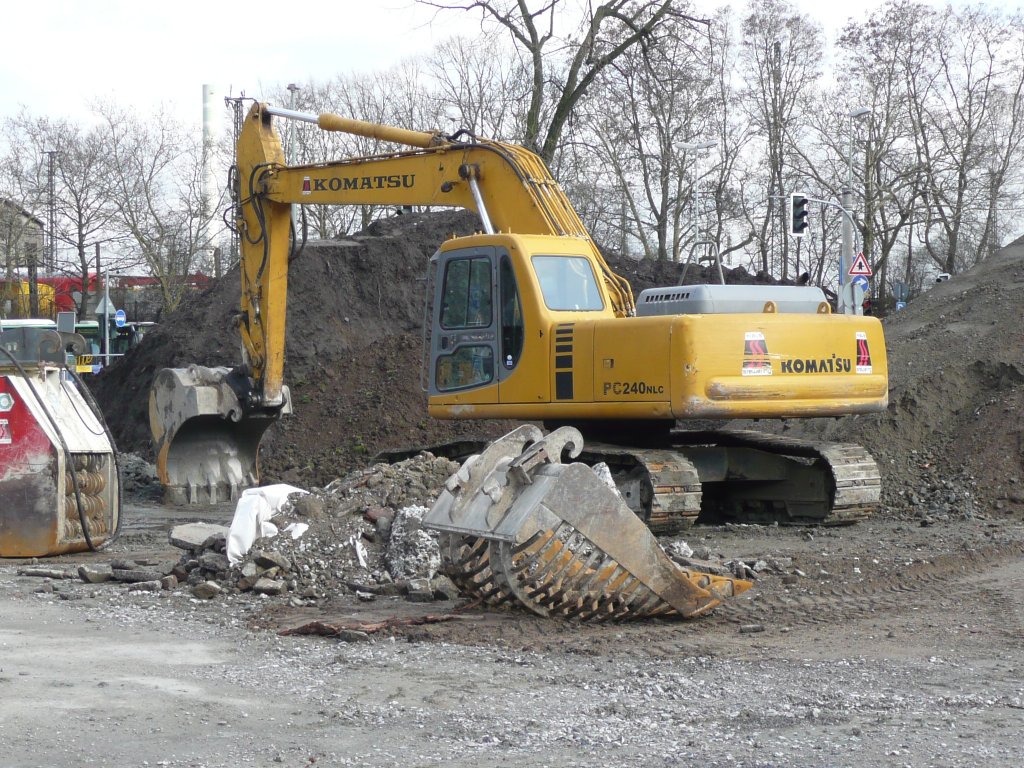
(661, 90)
(781, 54)
(563, 68)
(85, 212)
(479, 86)
(967, 118)
(157, 185)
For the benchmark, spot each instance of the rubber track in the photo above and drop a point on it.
(855, 475)
(671, 478)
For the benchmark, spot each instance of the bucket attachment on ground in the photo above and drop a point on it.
(522, 528)
(59, 483)
(206, 442)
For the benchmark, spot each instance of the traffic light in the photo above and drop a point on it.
(798, 209)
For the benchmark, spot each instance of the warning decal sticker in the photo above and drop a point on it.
(755, 355)
(5, 432)
(863, 353)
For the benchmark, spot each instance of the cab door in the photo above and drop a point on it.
(464, 334)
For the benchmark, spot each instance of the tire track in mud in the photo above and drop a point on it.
(827, 603)
(968, 585)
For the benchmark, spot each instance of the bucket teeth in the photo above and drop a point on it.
(521, 527)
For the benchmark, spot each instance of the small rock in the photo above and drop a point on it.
(214, 561)
(206, 590)
(95, 574)
(216, 542)
(146, 586)
(135, 575)
(270, 559)
(747, 629)
(247, 582)
(307, 505)
(444, 588)
(679, 550)
(420, 591)
(266, 586)
(169, 582)
(702, 553)
(351, 636)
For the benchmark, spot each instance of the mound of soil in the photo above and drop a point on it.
(354, 351)
(955, 421)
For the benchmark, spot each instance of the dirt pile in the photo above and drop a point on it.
(951, 442)
(952, 439)
(353, 351)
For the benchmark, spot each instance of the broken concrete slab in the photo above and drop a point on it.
(193, 536)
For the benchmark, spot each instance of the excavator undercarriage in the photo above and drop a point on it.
(742, 476)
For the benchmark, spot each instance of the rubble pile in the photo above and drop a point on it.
(364, 536)
(138, 476)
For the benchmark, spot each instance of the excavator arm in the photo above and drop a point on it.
(508, 186)
(207, 423)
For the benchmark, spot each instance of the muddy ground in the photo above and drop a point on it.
(893, 642)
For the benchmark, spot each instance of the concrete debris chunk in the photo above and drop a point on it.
(135, 575)
(678, 550)
(266, 586)
(420, 591)
(95, 574)
(192, 536)
(412, 552)
(271, 559)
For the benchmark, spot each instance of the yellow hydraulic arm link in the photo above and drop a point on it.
(507, 185)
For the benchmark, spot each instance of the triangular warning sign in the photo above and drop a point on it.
(860, 266)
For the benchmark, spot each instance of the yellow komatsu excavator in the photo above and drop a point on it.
(527, 321)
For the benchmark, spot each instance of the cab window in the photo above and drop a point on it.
(568, 283)
(468, 366)
(511, 315)
(467, 294)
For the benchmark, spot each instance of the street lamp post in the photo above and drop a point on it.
(846, 255)
(293, 90)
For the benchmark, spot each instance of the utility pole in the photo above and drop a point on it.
(236, 129)
(846, 257)
(293, 89)
(51, 212)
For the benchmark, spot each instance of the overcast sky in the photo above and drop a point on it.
(60, 55)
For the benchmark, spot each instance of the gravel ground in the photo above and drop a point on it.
(900, 646)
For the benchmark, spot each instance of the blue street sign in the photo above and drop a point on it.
(901, 304)
(862, 281)
(119, 318)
